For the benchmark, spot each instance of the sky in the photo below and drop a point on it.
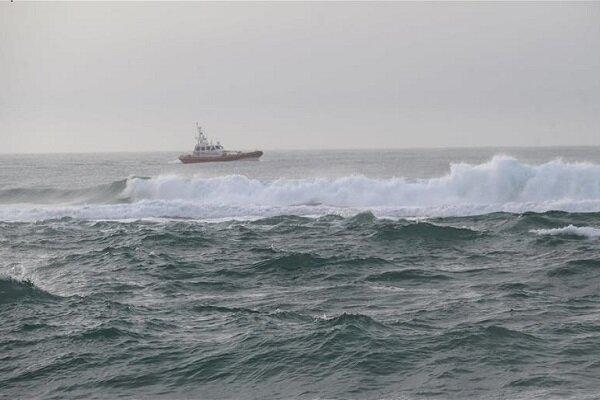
(98, 77)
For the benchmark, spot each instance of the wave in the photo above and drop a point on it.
(291, 263)
(501, 181)
(107, 332)
(109, 193)
(405, 275)
(12, 290)
(575, 267)
(425, 231)
(350, 319)
(570, 230)
(211, 309)
(488, 337)
(501, 185)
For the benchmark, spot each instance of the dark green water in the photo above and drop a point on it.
(336, 297)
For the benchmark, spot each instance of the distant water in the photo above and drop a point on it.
(415, 274)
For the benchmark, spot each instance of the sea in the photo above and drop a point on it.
(364, 274)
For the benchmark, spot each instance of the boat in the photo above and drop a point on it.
(207, 151)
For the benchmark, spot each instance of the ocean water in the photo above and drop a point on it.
(414, 274)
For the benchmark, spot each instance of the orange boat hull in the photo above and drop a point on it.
(191, 159)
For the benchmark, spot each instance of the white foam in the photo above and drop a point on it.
(501, 185)
(501, 182)
(585, 231)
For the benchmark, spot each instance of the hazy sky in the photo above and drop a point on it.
(136, 76)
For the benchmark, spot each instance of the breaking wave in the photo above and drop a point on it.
(501, 185)
(570, 230)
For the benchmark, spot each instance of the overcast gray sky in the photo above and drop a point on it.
(136, 76)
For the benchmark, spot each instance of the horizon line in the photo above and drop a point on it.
(387, 149)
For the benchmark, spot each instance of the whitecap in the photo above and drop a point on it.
(501, 185)
(572, 230)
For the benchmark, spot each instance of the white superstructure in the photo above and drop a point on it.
(204, 147)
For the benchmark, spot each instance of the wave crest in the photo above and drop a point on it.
(109, 193)
(501, 185)
(570, 230)
(12, 290)
(500, 181)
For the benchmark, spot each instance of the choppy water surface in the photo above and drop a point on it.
(406, 274)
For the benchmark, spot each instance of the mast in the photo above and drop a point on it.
(200, 133)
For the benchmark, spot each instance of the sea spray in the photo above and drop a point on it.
(502, 184)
